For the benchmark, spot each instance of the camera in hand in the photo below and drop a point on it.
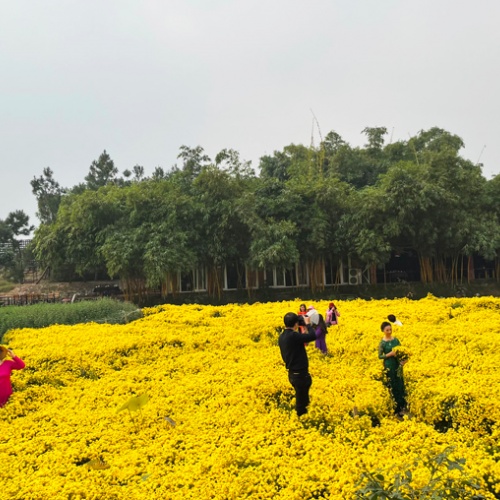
(301, 321)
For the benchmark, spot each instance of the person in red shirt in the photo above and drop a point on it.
(6, 367)
(302, 312)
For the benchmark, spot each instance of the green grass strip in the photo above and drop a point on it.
(104, 310)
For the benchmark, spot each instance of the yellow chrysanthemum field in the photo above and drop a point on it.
(211, 414)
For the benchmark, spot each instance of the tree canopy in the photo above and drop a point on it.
(304, 204)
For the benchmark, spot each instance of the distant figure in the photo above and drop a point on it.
(332, 313)
(321, 332)
(302, 312)
(393, 320)
(6, 367)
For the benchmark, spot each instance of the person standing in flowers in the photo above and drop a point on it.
(6, 367)
(332, 313)
(392, 367)
(302, 312)
(321, 331)
(293, 352)
(394, 320)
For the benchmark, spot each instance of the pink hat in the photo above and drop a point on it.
(310, 308)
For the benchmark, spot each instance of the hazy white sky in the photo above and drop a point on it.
(142, 78)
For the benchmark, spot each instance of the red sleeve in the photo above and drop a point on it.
(17, 363)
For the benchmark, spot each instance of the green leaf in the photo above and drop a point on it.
(134, 403)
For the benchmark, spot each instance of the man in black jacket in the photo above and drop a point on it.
(294, 354)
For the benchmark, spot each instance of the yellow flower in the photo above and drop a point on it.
(216, 372)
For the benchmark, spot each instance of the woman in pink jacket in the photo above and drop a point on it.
(332, 314)
(6, 367)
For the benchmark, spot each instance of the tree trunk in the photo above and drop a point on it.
(169, 284)
(440, 270)
(134, 288)
(214, 285)
(453, 270)
(426, 274)
(316, 274)
(470, 269)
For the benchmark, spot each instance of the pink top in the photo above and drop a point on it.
(331, 316)
(5, 370)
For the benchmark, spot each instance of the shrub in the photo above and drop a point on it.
(41, 315)
(5, 285)
(441, 484)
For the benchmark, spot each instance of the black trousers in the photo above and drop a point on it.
(301, 382)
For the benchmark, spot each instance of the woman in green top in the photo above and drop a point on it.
(391, 364)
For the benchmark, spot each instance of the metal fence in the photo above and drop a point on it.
(28, 299)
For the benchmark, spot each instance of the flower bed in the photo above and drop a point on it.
(217, 420)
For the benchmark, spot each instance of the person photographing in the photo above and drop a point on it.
(291, 344)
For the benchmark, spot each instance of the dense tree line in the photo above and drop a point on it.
(305, 204)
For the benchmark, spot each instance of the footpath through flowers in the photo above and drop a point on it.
(207, 409)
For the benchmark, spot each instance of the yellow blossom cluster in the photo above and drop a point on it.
(193, 402)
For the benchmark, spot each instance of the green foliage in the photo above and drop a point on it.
(101, 172)
(307, 205)
(275, 167)
(216, 194)
(375, 137)
(48, 195)
(12, 258)
(122, 250)
(6, 285)
(193, 160)
(273, 245)
(41, 315)
(446, 480)
(15, 224)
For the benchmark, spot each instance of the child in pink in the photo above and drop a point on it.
(6, 367)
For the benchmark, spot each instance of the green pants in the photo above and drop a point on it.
(397, 388)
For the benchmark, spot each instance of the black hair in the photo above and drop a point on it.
(384, 325)
(290, 320)
(322, 324)
(391, 318)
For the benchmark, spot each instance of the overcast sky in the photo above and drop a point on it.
(141, 78)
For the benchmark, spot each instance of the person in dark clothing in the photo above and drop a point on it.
(293, 352)
(391, 365)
